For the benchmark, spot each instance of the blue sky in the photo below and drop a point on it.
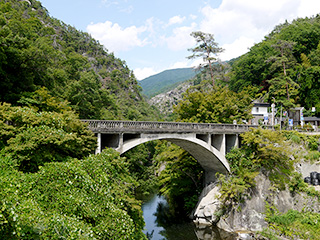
(154, 35)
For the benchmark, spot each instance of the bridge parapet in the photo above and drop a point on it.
(107, 126)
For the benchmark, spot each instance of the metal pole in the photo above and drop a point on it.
(280, 117)
(272, 107)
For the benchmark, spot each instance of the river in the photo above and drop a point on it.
(154, 208)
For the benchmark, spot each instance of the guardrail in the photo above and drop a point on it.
(144, 126)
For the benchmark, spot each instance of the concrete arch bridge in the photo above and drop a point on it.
(207, 143)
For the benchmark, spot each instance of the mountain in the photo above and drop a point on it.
(37, 50)
(165, 81)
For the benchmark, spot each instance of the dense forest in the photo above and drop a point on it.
(37, 50)
(284, 66)
(166, 80)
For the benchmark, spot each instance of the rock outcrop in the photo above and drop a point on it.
(249, 216)
(209, 206)
(165, 101)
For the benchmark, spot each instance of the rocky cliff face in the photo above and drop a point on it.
(165, 101)
(249, 216)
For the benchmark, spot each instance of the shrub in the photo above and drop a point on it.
(88, 199)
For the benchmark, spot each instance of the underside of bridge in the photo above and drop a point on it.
(208, 149)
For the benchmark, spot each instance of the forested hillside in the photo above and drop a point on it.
(37, 50)
(166, 80)
(285, 64)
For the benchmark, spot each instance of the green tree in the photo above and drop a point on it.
(90, 198)
(39, 51)
(88, 97)
(182, 179)
(142, 166)
(33, 137)
(310, 88)
(251, 69)
(207, 49)
(262, 151)
(283, 87)
(219, 105)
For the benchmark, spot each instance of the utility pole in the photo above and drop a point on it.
(280, 117)
(272, 119)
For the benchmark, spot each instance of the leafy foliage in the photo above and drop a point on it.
(284, 64)
(218, 105)
(46, 192)
(292, 224)
(262, 151)
(181, 180)
(34, 137)
(272, 153)
(142, 166)
(88, 199)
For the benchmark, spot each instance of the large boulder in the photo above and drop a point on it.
(209, 206)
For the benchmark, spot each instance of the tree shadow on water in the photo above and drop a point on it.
(177, 228)
(174, 227)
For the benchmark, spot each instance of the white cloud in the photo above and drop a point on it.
(193, 17)
(237, 25)
(115, 38)
(237, 48)
(109, 3)
(142, 73)
(176, 20)
(182, 64)
(181, 39)
(309, 8)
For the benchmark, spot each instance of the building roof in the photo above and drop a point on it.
(309, 119)
(256, 104)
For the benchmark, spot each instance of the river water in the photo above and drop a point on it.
(155, 228)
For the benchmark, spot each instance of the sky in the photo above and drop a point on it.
(154, 35)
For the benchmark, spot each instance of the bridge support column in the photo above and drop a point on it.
(98, 149)
(218, 141)
(232, 141)
(120, 143)
(209, 177)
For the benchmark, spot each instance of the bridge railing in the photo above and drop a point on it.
(119, 126)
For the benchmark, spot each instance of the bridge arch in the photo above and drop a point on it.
(208, 156)
(204, 148)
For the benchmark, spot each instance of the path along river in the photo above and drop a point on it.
(185, 231)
